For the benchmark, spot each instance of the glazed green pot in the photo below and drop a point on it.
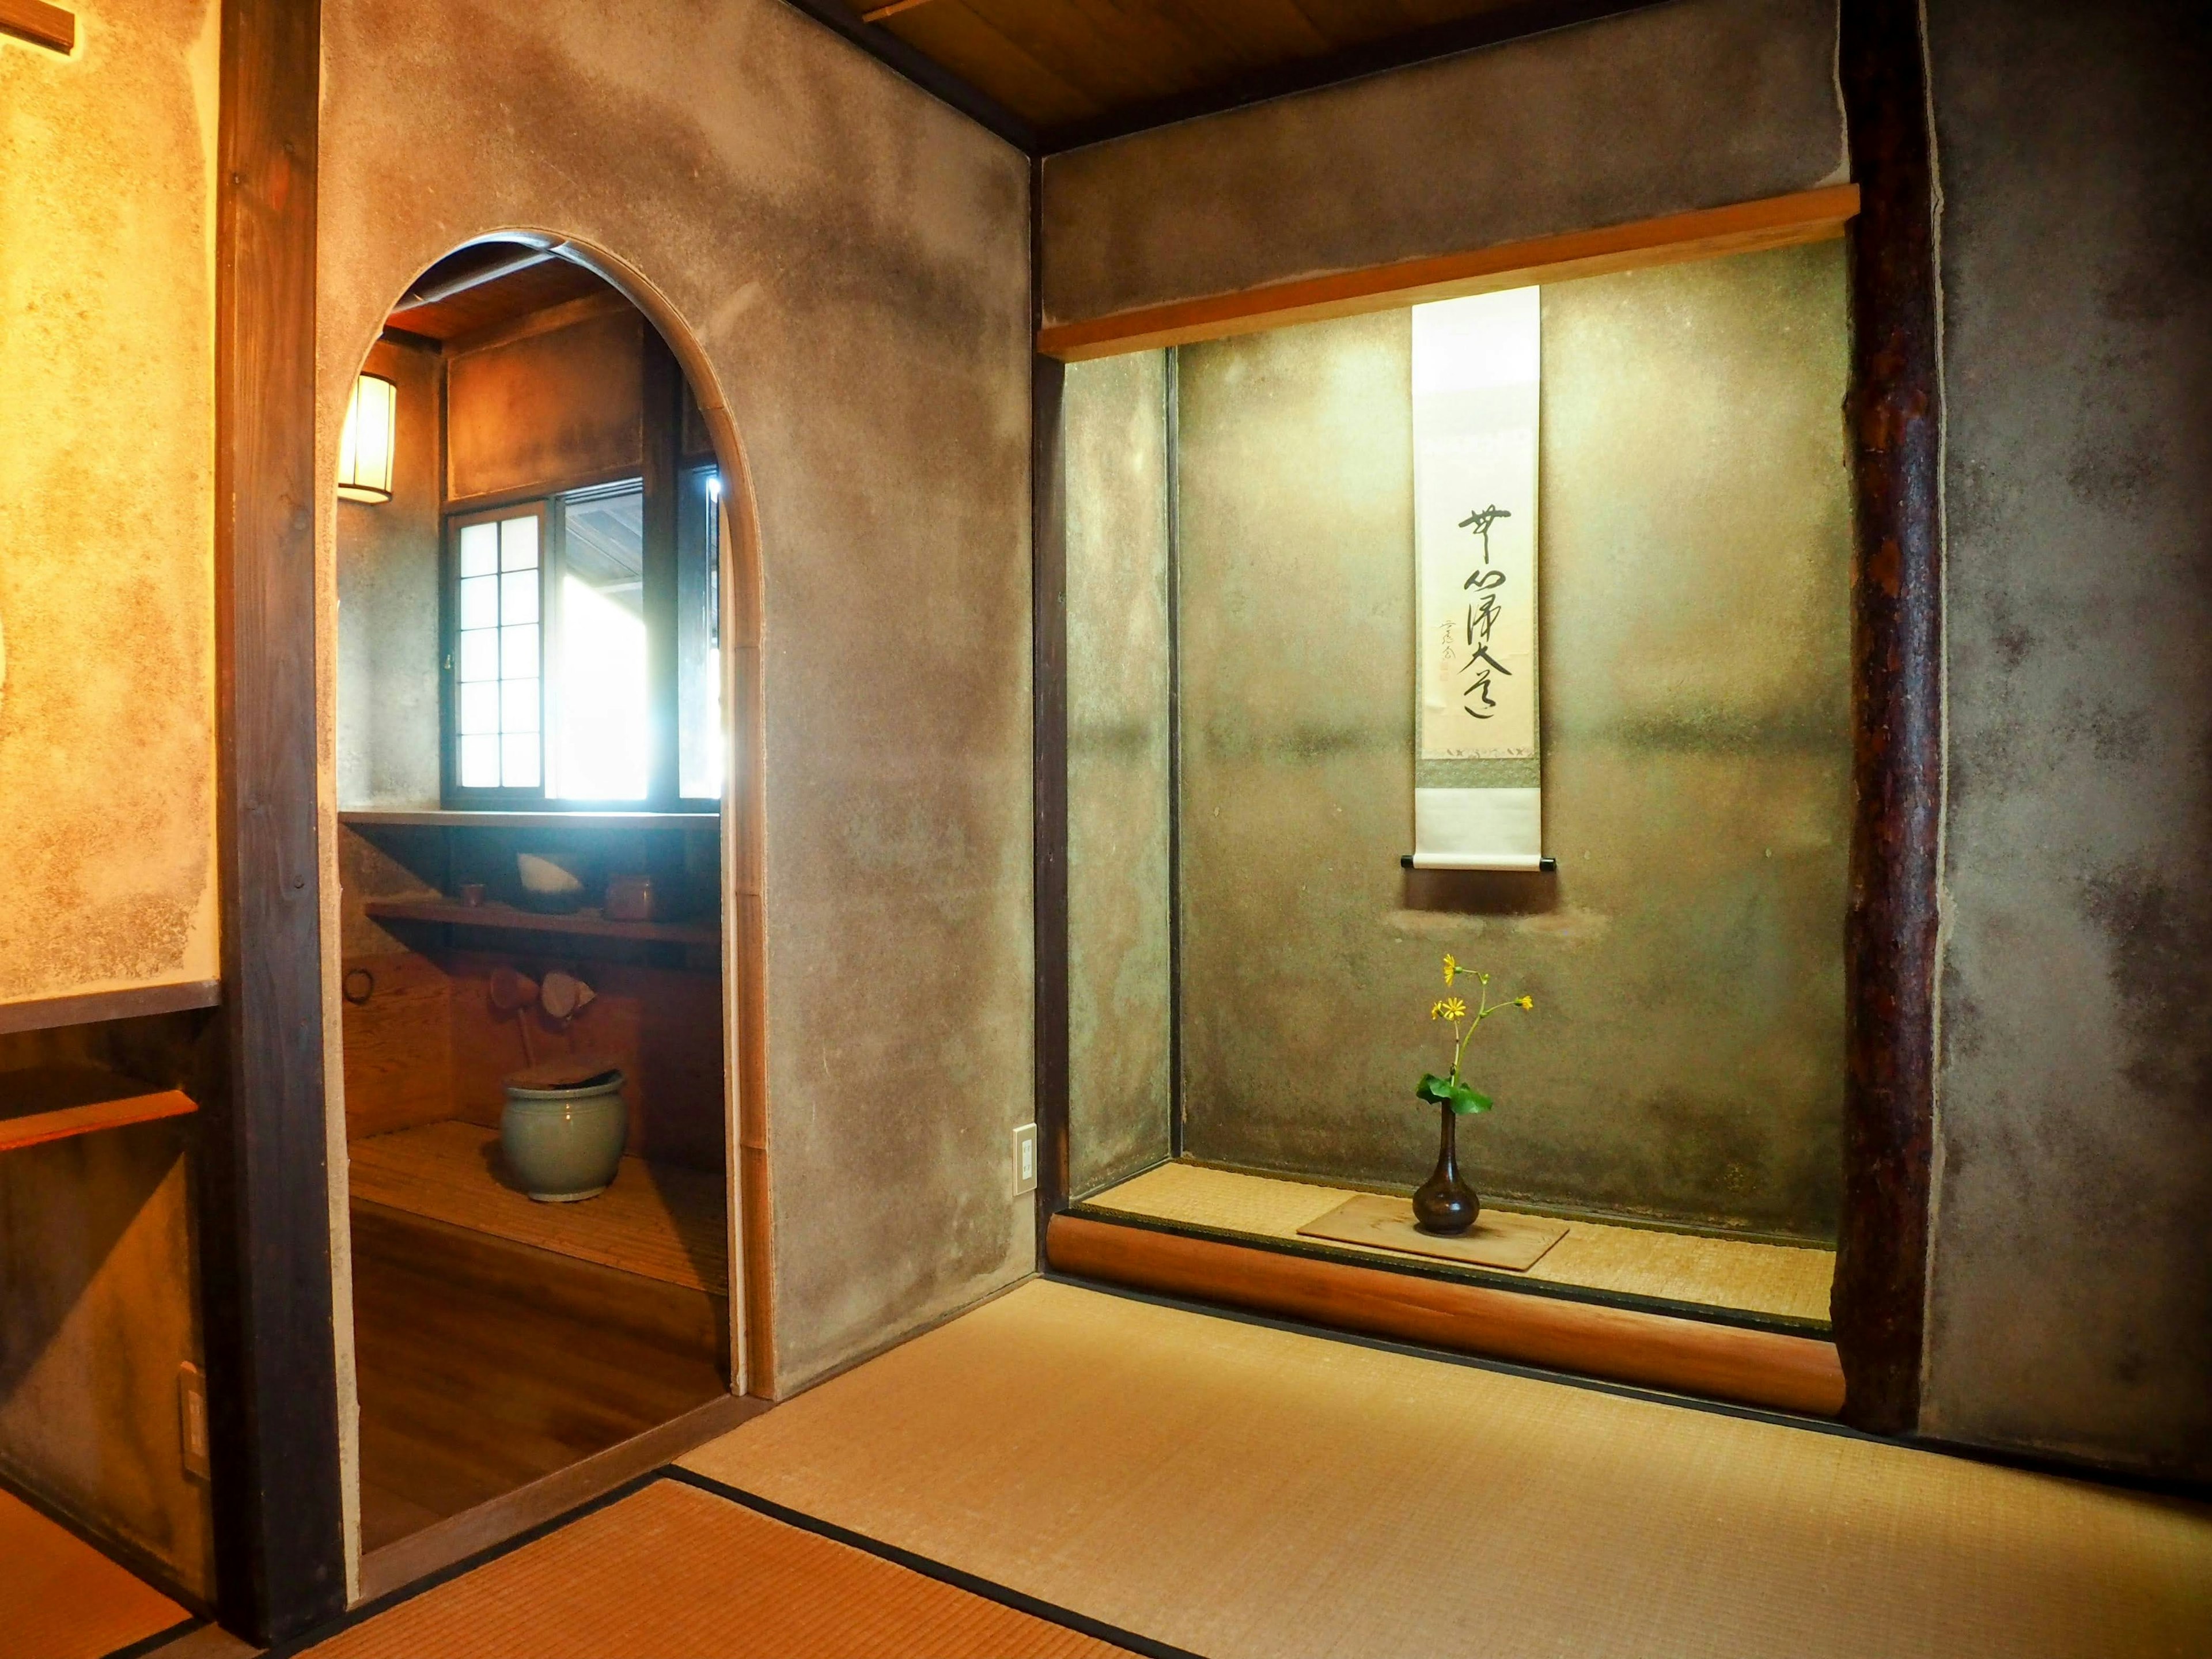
(564, 1145)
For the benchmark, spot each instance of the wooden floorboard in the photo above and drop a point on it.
(659, 1221)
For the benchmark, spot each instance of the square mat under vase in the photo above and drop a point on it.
(1513, 1241)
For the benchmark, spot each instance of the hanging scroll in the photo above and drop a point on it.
(1477, 798)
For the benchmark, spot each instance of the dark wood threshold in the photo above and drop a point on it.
(1456, 1272)
(1767, 1368)
(44, 1013)
(488, 1525)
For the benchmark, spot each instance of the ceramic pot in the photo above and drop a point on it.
(564, 1145)
(1443, 1203)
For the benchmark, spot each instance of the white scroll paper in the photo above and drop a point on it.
(1477, 777)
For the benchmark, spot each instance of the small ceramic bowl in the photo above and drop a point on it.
(564, 1145)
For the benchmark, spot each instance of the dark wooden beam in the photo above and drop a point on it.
(265, 1211)
(925, 72)
(662, 403)
(1890, 931)
(1048, 685)
(84, 1008)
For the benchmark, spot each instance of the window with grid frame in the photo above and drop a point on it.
(498, 649)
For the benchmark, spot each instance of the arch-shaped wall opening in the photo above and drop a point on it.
(542, 738)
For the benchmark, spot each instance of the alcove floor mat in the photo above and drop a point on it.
(1245, 1492)
(62, 1599)
(672, 1569)
(1788, 1280)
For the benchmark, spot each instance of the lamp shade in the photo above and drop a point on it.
(365, 447)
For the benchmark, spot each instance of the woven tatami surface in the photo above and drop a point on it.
(1714, 1272)
(62, 1599)
(1250, 1493)
(673, 1572)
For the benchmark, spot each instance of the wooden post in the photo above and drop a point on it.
(1890, 937)
(264, 1217)
(1049, 686)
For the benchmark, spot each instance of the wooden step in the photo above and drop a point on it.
(1688, 1356)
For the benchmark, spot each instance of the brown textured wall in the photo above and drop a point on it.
(564, 405)
(387, 574)
(106, 506)
(2072, 1268)
(1685, 1057)
(1693, 105)
(851, 257)
(1118, 768)
(99, 1308)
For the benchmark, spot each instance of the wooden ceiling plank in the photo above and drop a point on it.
(950, 32)
(1120, 53)
(892, 10)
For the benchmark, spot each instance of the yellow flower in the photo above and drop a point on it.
(1451, 968)
(1454, 1008)
(1527, 1002)
(1437, 1009)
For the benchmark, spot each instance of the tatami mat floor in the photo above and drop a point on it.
(62, 1599)
(1247, 1493)
(1789, 1281)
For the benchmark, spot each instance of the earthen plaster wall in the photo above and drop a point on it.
(851, 259)
(1119, 769)
(1697, 104)
(1685, 1058)
(2071, 1275)
(106, 503)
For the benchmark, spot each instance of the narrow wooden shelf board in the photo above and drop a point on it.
(53, 1102)
(1788, 1281)
(586, 924)
(434, 817)
(657, 1220)
(40, 24)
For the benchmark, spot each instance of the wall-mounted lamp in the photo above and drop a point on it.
(371, 434)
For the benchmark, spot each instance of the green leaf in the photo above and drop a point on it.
(1457, 1095)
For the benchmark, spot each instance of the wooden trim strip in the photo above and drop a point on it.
(90, 1008)
(38, 1127)
(458, 1537)
(40, 24)
(1809, 215)
(1890, 951)
(1721, 1361)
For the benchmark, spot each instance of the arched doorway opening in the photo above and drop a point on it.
(545, 790)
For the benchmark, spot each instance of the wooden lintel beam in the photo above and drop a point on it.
(1741, 228)
(40, 24)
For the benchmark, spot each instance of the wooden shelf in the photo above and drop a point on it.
(588, 924)
(372, 817)
(53, 1102)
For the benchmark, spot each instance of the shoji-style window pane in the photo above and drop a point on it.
(498, 596)
(699, 636)
(598, 725)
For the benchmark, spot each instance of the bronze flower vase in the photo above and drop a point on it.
(1443, 1203)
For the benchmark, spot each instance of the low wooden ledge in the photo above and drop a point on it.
(1688, 1356)
(92, 1007)
(54, 1103)
(1808, 215)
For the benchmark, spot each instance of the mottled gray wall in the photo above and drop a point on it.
(1693, 105)
(387, 574)
(1685, 1058)
(851, 258)
(1118, 768)
(2071, 1297)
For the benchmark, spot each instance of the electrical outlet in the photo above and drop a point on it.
(191, 1419)
(1025, 1158)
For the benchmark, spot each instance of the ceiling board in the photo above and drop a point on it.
(1064, 64)
(535, 287)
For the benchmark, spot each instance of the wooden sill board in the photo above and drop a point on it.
(506, 917)
(53, 1102)
(1783, 1280)
(1685, 1356)
(657, 1220)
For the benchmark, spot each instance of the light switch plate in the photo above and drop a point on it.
(191, 1419)
(1025, 1158)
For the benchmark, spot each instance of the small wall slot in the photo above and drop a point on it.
(1025, 1158)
